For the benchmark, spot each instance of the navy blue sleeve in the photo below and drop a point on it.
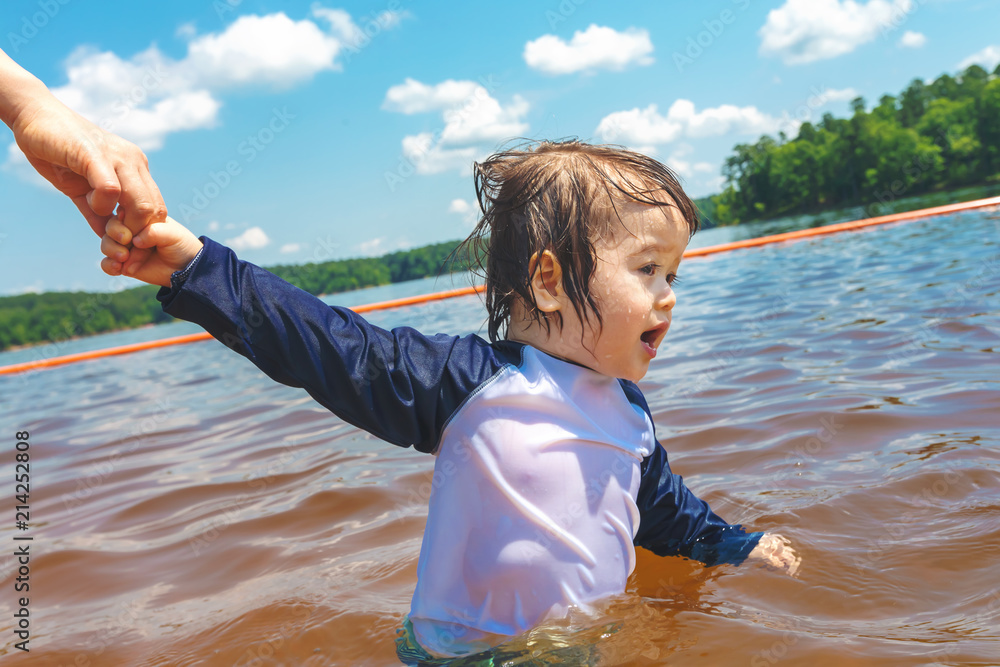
(399, 385)
(675, 522)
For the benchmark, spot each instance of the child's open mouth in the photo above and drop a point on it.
(652, 337)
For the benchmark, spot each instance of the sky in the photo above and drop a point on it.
(310, 131)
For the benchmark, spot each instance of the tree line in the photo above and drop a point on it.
(55, 316)
(939, 135)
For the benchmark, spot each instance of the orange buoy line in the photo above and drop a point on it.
(845, 226)
(413, 300)
(476, 289)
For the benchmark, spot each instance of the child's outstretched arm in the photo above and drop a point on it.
(172, 247)
(399, 385)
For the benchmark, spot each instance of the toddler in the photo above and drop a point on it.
(547, 471)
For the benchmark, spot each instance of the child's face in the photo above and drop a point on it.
(632, 286)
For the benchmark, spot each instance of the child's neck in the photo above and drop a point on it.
(551, 340)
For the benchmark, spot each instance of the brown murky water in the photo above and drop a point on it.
(844, 391)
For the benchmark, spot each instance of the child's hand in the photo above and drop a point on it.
(776, 551)
(161, 247)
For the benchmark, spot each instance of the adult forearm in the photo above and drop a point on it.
(18, 88)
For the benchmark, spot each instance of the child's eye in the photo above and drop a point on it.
(651, 269)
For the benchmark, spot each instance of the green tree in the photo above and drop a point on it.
(951, 125)
(913, 103)
(988, 125)
(972, 81)
(938, 135)
(945, 86)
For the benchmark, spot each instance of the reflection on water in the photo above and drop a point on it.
(844, 390)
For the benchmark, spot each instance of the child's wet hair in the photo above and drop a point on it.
(558, 196)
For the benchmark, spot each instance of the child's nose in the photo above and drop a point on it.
(666, 299)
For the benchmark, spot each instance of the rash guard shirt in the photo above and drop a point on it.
(547, 474)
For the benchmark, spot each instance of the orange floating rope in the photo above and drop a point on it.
(106, 352)
(845, 226)
(413, 300)
(476, 289)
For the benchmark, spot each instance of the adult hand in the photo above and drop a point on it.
(96, 169)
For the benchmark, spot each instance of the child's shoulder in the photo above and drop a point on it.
(633, 393)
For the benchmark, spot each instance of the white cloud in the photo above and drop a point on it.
(595, 48)
(213, 226)
(340, 21)
(649, 126)
(469, 112)
(833, 95)
(372, 246)
(988, 59)
(429, 157)
(679, 163)
(484, 119)
(350, 32)
(715, 184)
(412, 96)
(38, 287)
(468, 210)
(290, 248)
(271, 49)
(186, 30)
(459, 206)
(803, 31)
(471, 116)
(639, 125)
(143, 99)
(150, 95)
(252, 239)
(644, 129)
(912, 40)
(391, 18)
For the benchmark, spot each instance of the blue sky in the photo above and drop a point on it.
(308, 131)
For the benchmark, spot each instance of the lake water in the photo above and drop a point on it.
(843, 390)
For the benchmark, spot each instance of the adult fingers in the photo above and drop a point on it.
(105, 194)
(100, 173)
(97, 222)
(141, 199)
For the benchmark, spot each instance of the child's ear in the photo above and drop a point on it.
(546, 281)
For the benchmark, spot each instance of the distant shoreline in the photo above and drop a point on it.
(73, 318)
(31, 319)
